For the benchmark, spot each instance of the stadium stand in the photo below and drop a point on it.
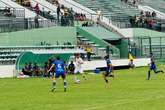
(12, 44)
(42, 9)
(18, 24)
(97, 42)
(115, 10)
(158, 4)
(10, 3)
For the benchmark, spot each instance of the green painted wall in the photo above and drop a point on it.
(36, 36)
(97, 40)
(123, 47)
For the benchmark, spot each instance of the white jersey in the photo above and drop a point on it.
(78, 65)
(79, 62)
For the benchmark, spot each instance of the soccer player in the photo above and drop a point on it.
(71, 68)
(108, 70)
(78, 67)
(59, 70)
(152, 66)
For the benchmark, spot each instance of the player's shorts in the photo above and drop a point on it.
(152, 67)
(58, 74)
(78, 70)
(108, 72)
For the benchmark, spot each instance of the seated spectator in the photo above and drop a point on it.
(153, 14)
(50, 61)
(62, 7)
(85, 24)
(25, 70)
(55, 2)
(71, 68)
(26, 3)
(46, 68)
(7, 12)
(36, 70)
(30, 69)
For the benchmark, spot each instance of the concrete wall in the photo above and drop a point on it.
(9, 70)
(6, 71)
(91, 65)
(35, 36)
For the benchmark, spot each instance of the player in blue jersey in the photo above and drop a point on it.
(108, 70)
(59, 70)
(152, 66)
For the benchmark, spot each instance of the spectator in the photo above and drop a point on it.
(30, 69)
(71, 13)
(36, 70)
(98, 14)
(46, 68)
(58, 12)
(37, 9)
(50, 61)
(89, 52)
(7, 12)
(26, 3)
(36, 21)
(25, 70)
(153, 14)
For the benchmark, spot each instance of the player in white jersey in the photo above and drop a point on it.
(78, 68)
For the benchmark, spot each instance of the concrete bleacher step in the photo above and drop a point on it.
(84, 39)
(90, 42)
(102, 48)
(95, 45)
(80, 36)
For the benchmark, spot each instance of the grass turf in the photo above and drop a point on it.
(129, 91)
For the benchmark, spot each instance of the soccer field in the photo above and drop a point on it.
(129, 91)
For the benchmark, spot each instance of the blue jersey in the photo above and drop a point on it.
(108, 61)
(152, 66)
(59, 66)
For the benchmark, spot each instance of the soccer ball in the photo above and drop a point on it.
(77, 81)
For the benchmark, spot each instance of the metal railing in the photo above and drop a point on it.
(17, 12)
(144, 45)
(14, 24)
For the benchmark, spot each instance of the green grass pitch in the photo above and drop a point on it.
(129, 91)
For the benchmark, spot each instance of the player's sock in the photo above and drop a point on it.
(111, 75)
(53, 85)
(106, 80)
(158, 71)
(75, 78)
(149, 75)
(65, 85)
(162, 71)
